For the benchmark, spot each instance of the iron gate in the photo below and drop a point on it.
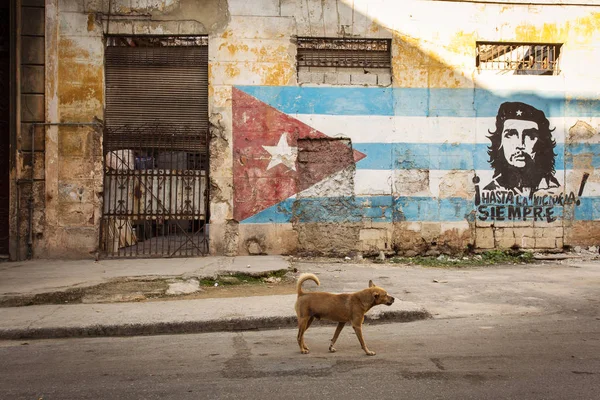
(155, 148)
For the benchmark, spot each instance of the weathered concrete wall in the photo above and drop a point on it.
(413, 167)
(73, 157)
(75, 94)
(423, 180)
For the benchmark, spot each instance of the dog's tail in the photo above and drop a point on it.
(306, 277)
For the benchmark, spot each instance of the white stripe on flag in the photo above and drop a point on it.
(386, 129)
(435, 183)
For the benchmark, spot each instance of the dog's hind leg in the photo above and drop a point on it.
(338, 330)
(359, 335)
(310, 321)
(303, 324)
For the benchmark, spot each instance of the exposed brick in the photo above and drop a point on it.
(384, 79)
(344, 78)
(363, 79)
(520, 232)
(505, 242)
(484, 238)
(527, 242)
(559, 242)
(310, 76)
(331, 78)
(550, 232)
(317, 77)
(304, 76)
(545, 243)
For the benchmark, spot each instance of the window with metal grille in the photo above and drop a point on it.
(344, 61)
(343, 52)
(518, 58)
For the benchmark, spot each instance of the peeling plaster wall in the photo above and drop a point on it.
(73, 157)
(415, 191)
(416, 145)
(255, 48)
(75, 94)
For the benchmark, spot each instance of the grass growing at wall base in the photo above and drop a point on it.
(486, 258)
(240, 278)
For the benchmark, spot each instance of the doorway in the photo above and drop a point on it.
(156, 147)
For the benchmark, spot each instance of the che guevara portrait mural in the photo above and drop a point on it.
(522, 156)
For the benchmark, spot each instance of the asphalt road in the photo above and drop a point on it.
(544, 357)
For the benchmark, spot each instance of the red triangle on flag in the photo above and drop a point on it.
(265, 148)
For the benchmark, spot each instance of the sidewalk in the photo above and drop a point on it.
(569, 286)
(43, 276)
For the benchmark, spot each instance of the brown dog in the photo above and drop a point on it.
(341, 308)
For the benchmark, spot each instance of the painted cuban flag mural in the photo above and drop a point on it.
(331, 154)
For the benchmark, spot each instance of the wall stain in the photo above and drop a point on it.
(463, 43)
(91, 22)
(581, 30)
(278, 74)
(232, 70)
(80, 80)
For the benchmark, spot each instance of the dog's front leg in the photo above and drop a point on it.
(358, 330)
(335, 335)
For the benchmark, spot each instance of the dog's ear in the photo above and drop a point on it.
(371, 284)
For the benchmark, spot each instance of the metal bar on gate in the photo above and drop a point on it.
(169, 139)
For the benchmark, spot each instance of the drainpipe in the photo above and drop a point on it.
(30, 200)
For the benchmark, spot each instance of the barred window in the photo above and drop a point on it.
(343, 52)
(344, 61)
(518, 58)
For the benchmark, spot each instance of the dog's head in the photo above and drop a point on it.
(380, 296)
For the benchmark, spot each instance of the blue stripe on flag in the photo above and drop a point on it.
(447, 156)
(390, 209)
(573, 150)
(417, 102)
(588, 209)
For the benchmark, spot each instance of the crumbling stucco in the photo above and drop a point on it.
(328, 239)
(582, 131)
(332, 213)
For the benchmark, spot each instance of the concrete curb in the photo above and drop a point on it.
(162, 328)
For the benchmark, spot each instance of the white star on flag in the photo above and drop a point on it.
(283, 153)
